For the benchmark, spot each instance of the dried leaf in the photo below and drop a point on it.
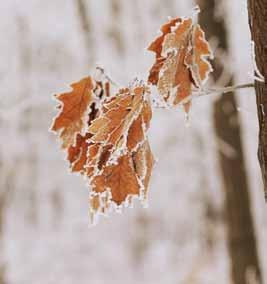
(73, 116)
(119, 159)
(79, 108)
(123, 123)
(197, 56)
(105, 140)
(181, 61)
(120, 182)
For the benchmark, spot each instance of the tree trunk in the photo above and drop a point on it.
(85, 22)
(30, 115)
(240, 230)
(257, 10)
(115, 28)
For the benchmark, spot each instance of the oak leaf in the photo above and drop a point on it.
(105, 138)
(181, 65)
(119, 183)
(121, 126)
(78, 109)
(119, 159)
(73, 116)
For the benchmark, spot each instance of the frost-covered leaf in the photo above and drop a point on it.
(123, 178)
(74, 107)
(181, 61)
(77, 110)
(198, 53)
(119, 157)
(105, 140)
(77, 154)
(123, 122)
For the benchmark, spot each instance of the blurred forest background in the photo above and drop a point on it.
(207, 220)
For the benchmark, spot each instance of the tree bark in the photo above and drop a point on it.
(257, 10)
(240, 229)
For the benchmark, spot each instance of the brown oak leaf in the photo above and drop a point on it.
(181, 61)
(73, 116)
(105, 140)
(77, 154)
(120, 182)
(122, 125)
(119, 159)
(77, 110)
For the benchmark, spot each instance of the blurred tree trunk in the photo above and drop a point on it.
(240, 230)
(6, 191)
(115, 31)
(139, 28)
(2, 262)
(27, 125)
(2, 218)
(140, 242)
(8, 172)
(257, 10)
(170, 8)
(86, 26)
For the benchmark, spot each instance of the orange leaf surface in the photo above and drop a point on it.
(77, 154)
(123, 123)
(73, 116)
(120, 182)
(105, 140)
(119, 158)
(181, 61)
(77, 110)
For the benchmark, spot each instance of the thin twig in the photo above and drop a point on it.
(228, 89)
(217, 91)
(196, 94)
(103, 74)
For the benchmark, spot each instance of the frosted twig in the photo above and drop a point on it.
(218, 91)
(225, 90)
(103, 73)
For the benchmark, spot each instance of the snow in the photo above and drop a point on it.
(46, 234)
